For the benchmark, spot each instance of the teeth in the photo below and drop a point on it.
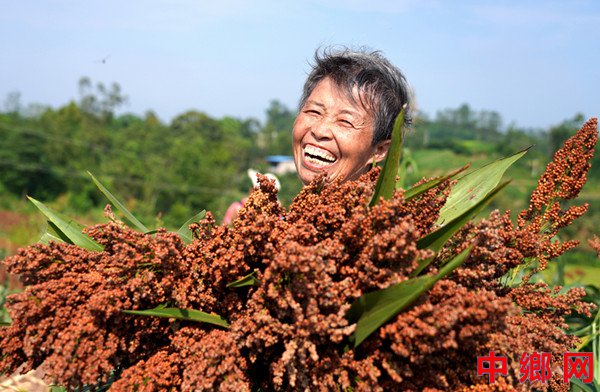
(318, 152)
(317, 162)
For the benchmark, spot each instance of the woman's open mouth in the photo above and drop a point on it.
(317, 157)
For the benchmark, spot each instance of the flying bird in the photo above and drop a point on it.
(103, 60)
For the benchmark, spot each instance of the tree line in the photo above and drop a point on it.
(195, 161)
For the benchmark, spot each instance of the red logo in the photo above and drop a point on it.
(578, 365)
(535, 367)
(492, 360)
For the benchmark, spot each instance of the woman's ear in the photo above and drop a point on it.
(381, 150)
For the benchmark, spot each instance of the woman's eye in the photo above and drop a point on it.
(312, 111)
(347, 123)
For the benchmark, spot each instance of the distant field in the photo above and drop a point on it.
(574, 274)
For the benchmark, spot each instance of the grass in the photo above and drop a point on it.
(574, 274)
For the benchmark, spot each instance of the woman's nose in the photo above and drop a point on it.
(322, 130)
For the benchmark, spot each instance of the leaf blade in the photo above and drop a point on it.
(70, 229)
(120, 206)
(386, 183)
(47, 237)
(474, 186)
(181, 314)
(436, 239)
(420, 189)
(248, 280)
(61, 236)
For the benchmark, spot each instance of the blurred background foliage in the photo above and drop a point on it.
(167, 172)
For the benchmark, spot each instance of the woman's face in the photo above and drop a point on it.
(333, 135)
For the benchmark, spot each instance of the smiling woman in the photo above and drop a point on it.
(347, 110)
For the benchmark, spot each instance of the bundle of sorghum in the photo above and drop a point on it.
(290, 331)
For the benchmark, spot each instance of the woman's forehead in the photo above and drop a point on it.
(350, 97)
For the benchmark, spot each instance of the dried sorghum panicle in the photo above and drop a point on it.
(566, 174)
(196, 360)
(493, 254)
(72, 305)
(160, 372)
(548, 303)
(562, 180)
(452, 326)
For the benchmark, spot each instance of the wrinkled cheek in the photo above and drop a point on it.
(296, 142)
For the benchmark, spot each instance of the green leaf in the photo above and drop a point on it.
(248, 280)
(420, 189)
(67, 228)
(406, 162)
(53, 233)
(374, 309)
(184, 232)
(47, 237)
(181, 314)
(578, 385)
(140, 226)
(386, 183)
(472, 187)
(436, 240)
(592, 334)
(61, 236)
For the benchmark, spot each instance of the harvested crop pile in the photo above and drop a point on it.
(290, 330)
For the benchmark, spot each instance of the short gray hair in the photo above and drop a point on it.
(383, 86)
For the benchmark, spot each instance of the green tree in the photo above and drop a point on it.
(24, 164)
(102, 102)
(277, 132)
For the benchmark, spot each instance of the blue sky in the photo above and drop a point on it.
(535, 62)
